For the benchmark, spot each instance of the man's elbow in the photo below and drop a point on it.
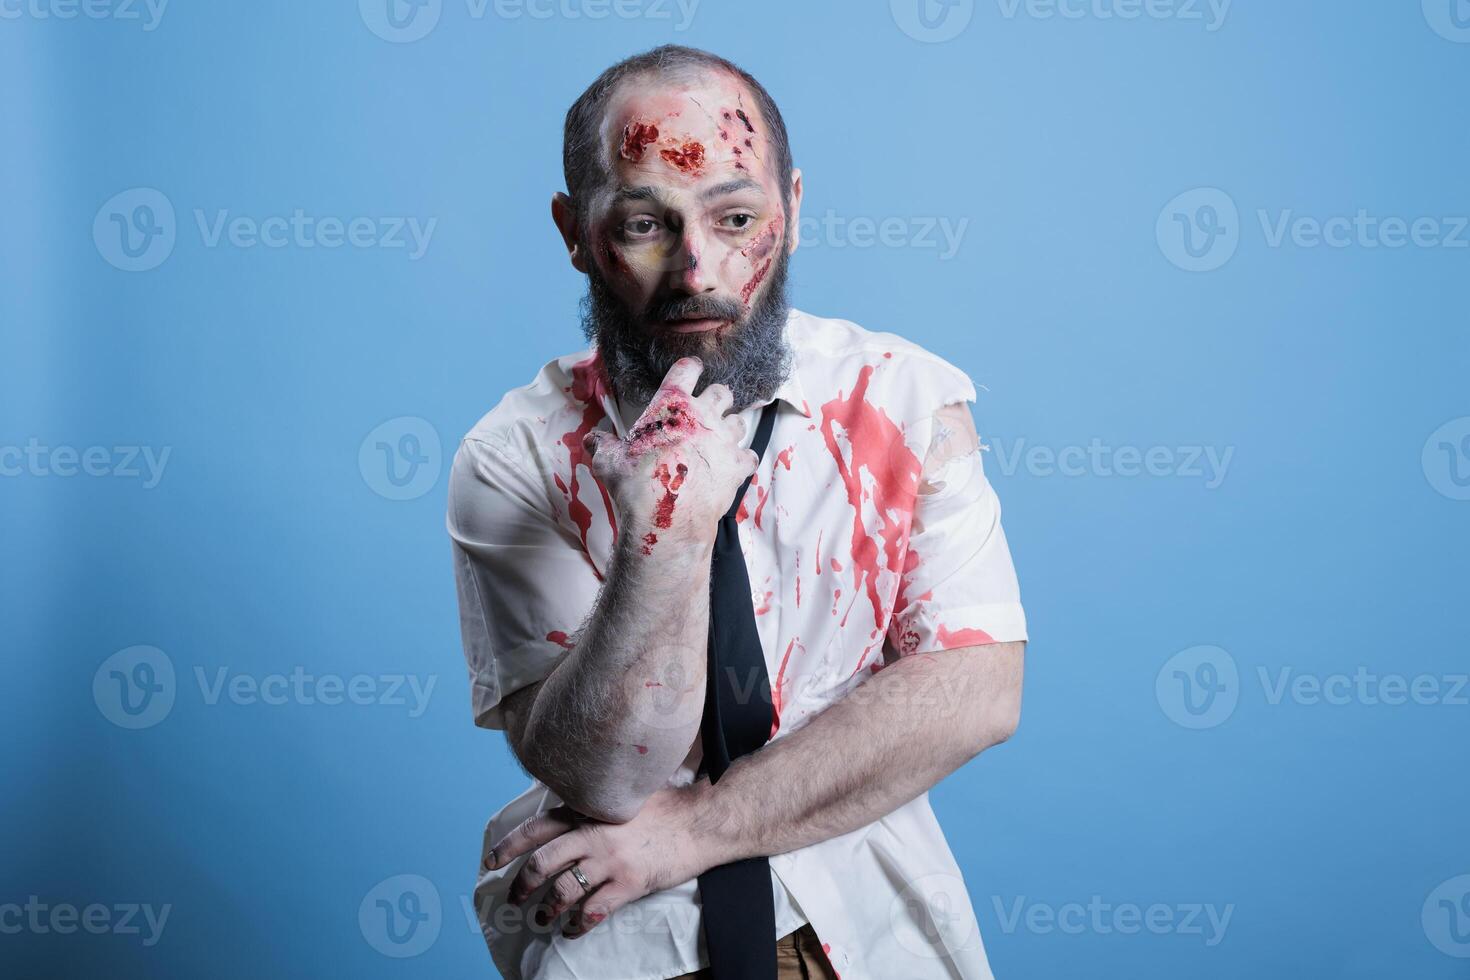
(1004, 721)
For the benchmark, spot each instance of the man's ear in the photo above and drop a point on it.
(565, 216)
(794, 228)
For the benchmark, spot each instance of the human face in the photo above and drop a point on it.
(686, 230)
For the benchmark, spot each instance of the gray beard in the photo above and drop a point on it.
(751, 356)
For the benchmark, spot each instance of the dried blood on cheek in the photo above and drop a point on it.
(759, 253)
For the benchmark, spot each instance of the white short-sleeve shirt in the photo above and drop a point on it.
(850, 568)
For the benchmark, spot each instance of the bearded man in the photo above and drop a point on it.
(731, 580)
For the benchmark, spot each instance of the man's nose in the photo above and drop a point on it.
(689, 268)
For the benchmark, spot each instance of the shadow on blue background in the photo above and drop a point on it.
(1210, 271)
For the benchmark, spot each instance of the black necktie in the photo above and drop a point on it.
(738, 915)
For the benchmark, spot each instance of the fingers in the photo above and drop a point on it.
(749, 462)
(684, 375)
(602, 902)
(718, 399)
(531, 834)
(545, 863)
(598, 441)
(566, 891)
(734, 428)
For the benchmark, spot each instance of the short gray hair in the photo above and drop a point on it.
(581, 143)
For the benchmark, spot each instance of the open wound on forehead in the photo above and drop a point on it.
(683, 153)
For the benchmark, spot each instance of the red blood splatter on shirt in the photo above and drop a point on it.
(836, 565)
(763, 494)
(664, 513)
(740, 512)
(888, 353)
(560, 639)
(819, 551)
(642, 749)
(687, 159)
(590, 385)
(836, 594)
(649, 540)
(875, 445)
(636, 136)
(765, 604)
(783, 458)
(961, 638)
(778, 689)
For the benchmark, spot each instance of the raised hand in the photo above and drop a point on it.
(677, 472)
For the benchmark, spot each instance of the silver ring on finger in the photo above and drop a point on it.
(581, 878)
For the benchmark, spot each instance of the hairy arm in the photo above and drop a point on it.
(892, 738)
(887, 741)
(617, 715)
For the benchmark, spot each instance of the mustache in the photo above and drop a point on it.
(693, 308)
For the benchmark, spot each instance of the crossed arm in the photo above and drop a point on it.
(889, 740)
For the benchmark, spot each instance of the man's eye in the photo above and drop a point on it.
(640, 227)
(740, 222)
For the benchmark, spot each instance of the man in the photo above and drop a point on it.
(620, 525)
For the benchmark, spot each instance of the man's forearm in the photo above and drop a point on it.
(890, 739)
(613, 721)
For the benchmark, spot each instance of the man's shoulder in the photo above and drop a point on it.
(834, 351)
(554, 401)
(562, 384)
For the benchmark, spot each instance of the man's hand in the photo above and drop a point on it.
(621, 862)
(678, 470)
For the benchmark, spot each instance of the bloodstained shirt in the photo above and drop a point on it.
(853, 563)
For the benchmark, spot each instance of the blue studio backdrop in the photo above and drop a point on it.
(265, 262)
